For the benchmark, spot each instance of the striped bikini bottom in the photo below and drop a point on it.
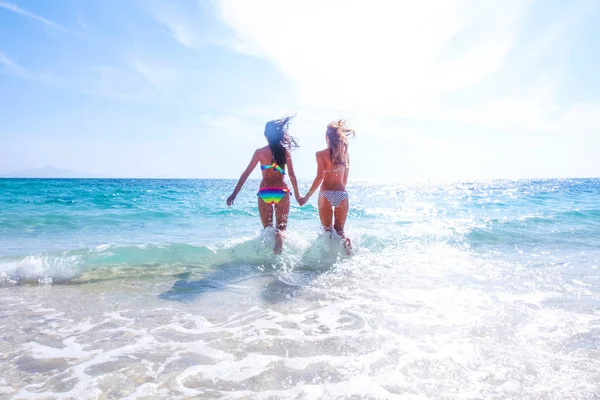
(272, 195)
(334, 197)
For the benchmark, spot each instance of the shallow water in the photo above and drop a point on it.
(145, 289)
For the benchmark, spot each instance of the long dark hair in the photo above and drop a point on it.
(338, 134)
(280, 141)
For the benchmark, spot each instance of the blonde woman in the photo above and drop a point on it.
(333, 166)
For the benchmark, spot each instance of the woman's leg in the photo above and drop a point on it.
(325, 213)
(341, 213)
(266, 213)
(282, 211)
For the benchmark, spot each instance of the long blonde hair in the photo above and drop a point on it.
(338, 134)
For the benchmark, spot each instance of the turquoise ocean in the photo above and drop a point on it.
(144, 289)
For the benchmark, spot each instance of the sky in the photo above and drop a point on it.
(435, 89)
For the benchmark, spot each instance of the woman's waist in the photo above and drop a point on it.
(273, 183)
(333, 187)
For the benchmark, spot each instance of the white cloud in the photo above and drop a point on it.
(13, 68)
(18, 10)
(82, 22)
(410, 59)
(448, 84)
(397, 58)
(582, 115)
(110, 82)
(191, 27)
(177, 23)
(162, 79)
(141, 83)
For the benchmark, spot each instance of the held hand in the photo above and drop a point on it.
(230, 200)
(306, 198)
(302, 201)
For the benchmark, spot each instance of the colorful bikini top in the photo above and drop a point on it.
(275, 166)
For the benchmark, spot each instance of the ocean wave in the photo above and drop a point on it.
(236, 212)
(33, 221)
(112, 261)
(534, 232)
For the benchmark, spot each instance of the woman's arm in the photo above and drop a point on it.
(243, 178)
(292, 174)
(318, 179)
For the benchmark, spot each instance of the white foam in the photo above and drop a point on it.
(4, 388)
(71, 350)
(413, 320)
(103, 247)
(43, 268)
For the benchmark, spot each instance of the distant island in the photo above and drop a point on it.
(48, 172)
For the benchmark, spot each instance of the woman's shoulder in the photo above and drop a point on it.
(322, 153)
(262, 151)
(261, 155)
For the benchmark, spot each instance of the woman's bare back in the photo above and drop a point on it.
(335, 176)
(270, 177)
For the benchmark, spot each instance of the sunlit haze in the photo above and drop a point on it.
(456, 89)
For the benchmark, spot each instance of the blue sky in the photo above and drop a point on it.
(456, 89)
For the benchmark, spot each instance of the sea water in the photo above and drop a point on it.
(145, 289)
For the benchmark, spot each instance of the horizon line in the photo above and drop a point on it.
(356, 180)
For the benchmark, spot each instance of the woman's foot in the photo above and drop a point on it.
(347, 245)
(346, 242)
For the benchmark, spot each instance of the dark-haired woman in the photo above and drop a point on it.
(333, 165)
(274, 194)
